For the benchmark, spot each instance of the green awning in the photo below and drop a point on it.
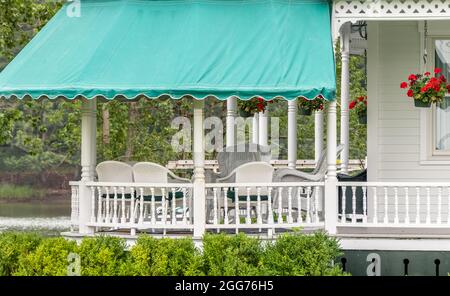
(219, 48)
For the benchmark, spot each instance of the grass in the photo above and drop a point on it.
(20, 192)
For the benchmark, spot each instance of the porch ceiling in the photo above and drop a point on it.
(218, 48)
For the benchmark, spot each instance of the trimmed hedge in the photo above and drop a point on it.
(240, 255)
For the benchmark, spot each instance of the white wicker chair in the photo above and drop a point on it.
(149, 172)
(252, 172)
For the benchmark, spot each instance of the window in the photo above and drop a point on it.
(441, 115)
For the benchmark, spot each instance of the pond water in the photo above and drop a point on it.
(44, 217)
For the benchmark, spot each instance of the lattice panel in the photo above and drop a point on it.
(360, 9)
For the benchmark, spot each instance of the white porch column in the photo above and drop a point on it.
(292, 134)
(94, 140)
(231, 115)
(318, 134)
(345, 94)
(331, 197)
(88, 159)
(263, 128)
(199, 171)
(255, 129)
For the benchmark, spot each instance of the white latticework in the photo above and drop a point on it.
(392, 9)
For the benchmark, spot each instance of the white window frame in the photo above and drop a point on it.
(428, 153)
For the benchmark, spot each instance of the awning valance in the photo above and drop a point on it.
(220, 48)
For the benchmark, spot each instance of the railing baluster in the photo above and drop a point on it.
(184, 206)
(236, 210)
(386, 218)
(343, 205)
(163, 206)
(280, 205)
(99, 209)
(396, 221)
(407, 205)
(258, 207)
(107, 206)
(123, 219)
(375, 205)
(141, 206)
(174, 207)
(270, 211)
(289, 217)
(439, 217)
(152, 206)
(448, 205)
(248, 219)
(316, 204)
(353, 204)
(417, 205)
(428, 219)
(215, 206)
(132, 213)
(308, 204)
(93, 219)
(225, 206)
(364, 189)
(114, 218)
(299, 205)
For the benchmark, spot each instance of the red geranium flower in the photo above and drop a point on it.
(410, 93)
(437, 71)
(352, 105)
(412, 77)
(403, 85)
(427, 74)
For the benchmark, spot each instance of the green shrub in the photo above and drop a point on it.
(231, 255)
(14, 245)
(49, 258)
(151, 256)
(300, 254)
(102, 255)
(222, 254)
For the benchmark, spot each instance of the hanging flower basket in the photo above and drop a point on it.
(305, 112)
(362, 118)
(422, 104)
(359, 105)
(306, 107)
(426, 89)
(244, 113)
(249, 107)
(445, 103)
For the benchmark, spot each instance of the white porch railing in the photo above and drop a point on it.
(264, 206)
(136, 206)
(258, 208)
(394, 204)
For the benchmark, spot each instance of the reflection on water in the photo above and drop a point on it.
(45, 217)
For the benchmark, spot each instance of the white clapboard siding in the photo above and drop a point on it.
(394, 136)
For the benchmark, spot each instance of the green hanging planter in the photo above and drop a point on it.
(305, 112)
(245, 114)
(445, 103)
(362, 118)
(421, 104)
